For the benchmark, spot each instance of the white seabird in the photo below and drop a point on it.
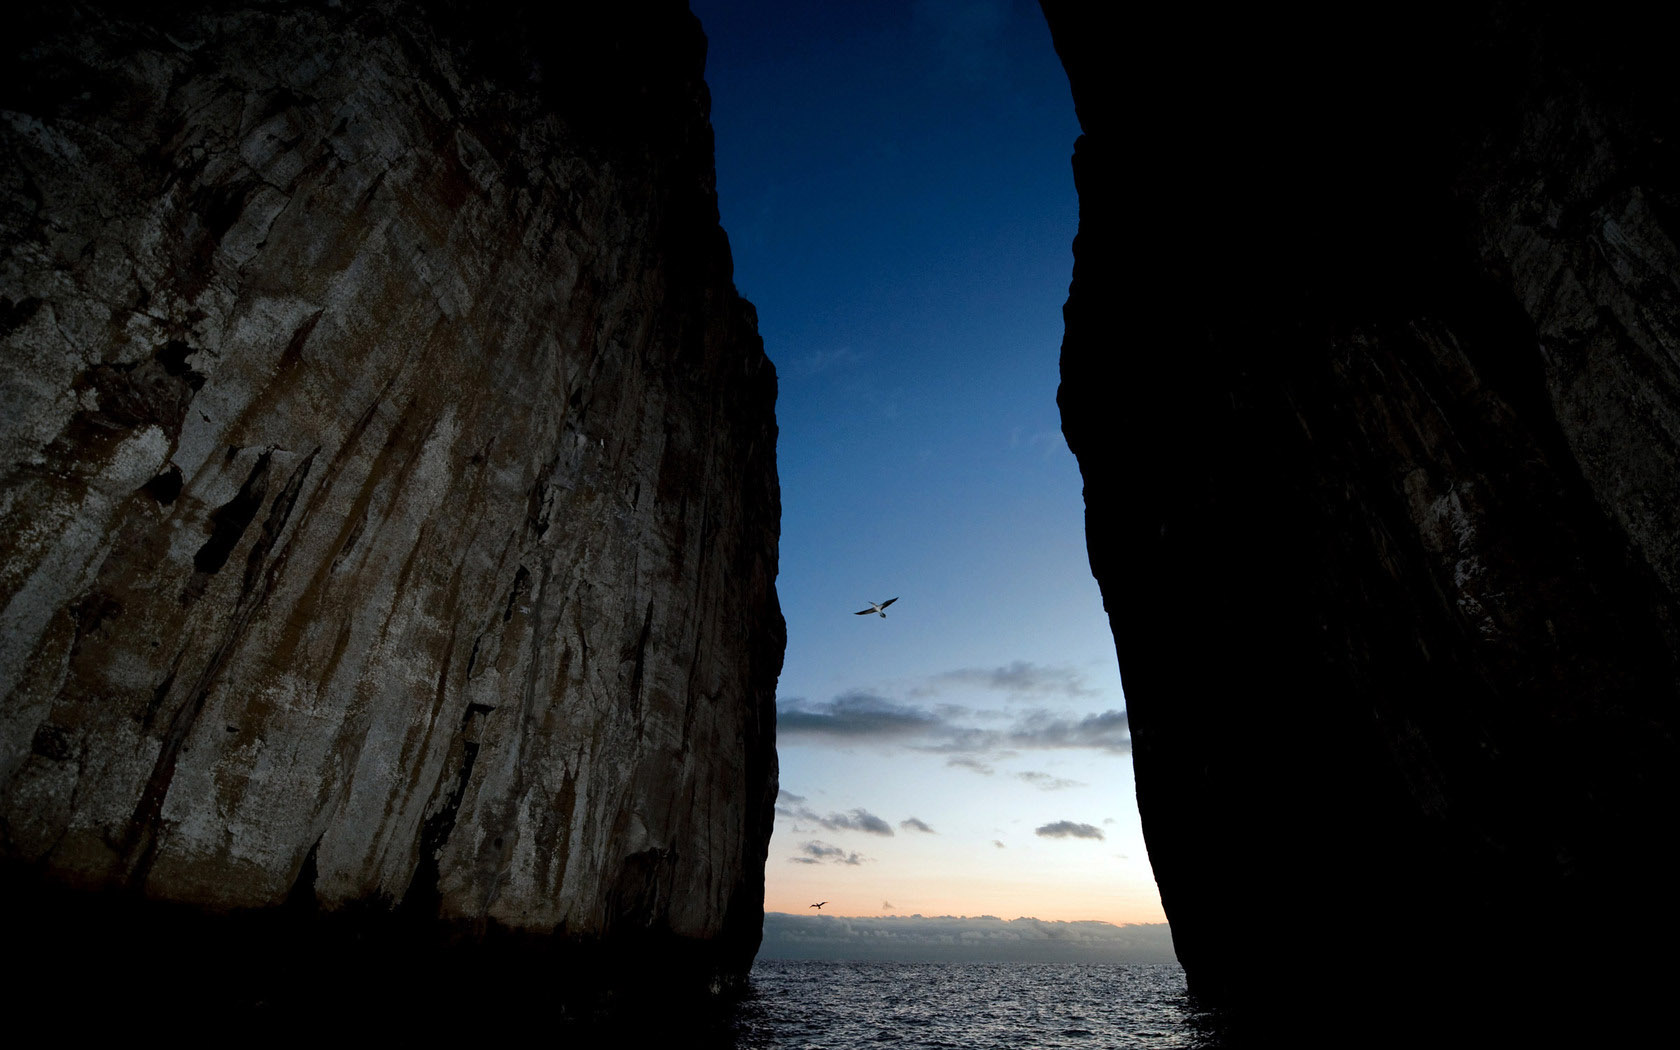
(876, 607)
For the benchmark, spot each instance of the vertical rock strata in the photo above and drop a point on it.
(1372, 367)
(390, 515)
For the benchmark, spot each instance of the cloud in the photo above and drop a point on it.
(966, 762)
(1042, 731)
(783, 793)
(1109, 731)
(1065, 829)
(912, 824)
(821, 852)
(856, 820)
(855, 715)
(863, 717)
(966, 739)
(1046, 782)
(1020, 678)
(947, 938)
(1044, 442)
(998, 844)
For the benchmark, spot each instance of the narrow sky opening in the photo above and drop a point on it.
(895, 181)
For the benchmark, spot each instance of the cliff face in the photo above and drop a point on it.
(390, 512)
(1372, 367)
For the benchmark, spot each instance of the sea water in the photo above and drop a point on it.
(971, 1006)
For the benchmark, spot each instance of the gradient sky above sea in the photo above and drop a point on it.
(894, 178)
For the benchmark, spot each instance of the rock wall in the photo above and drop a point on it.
(1372, 367)
(389, 520)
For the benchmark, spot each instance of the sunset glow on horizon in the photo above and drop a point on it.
(1055, 899)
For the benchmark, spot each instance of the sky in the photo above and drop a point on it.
(895, 181)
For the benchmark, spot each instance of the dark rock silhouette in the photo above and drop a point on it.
(1372, 367)
(389, 525)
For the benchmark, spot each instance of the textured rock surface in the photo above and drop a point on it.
(1372, 367)
(390, 513)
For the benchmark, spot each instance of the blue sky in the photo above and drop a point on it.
(895, 182)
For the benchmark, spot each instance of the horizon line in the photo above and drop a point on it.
(920, 915)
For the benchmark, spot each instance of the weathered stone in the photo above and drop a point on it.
(390, 513)
(1372, 367)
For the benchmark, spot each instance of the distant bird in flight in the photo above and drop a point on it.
(819, 905)
(876, 607)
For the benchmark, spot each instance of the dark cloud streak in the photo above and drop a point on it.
(1046, 782)
(1067, 829)
(855, 716)
(820, 852)
(1017, 679)
(859, 717)
(1109, 731)
(856, 820)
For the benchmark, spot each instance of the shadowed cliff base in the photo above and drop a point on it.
(106, 958)
(389, 515)
(1372, 367)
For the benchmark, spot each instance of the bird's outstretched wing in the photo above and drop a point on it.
(863, 612)
(888, 602)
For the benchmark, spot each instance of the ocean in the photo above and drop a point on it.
(966, 1006)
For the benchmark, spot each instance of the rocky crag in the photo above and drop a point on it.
(1372, 367)
(389, 519)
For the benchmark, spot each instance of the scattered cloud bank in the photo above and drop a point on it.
(822, 853)
(946, 938)
(970, 736)
(856, 714)
(1108, 731)
(856, 820)
(1067, 829)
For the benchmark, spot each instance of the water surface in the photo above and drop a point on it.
(972, 1006)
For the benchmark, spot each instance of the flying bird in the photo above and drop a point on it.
(877, 607)
(819, 905)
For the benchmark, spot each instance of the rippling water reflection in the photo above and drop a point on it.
(842, 1006)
